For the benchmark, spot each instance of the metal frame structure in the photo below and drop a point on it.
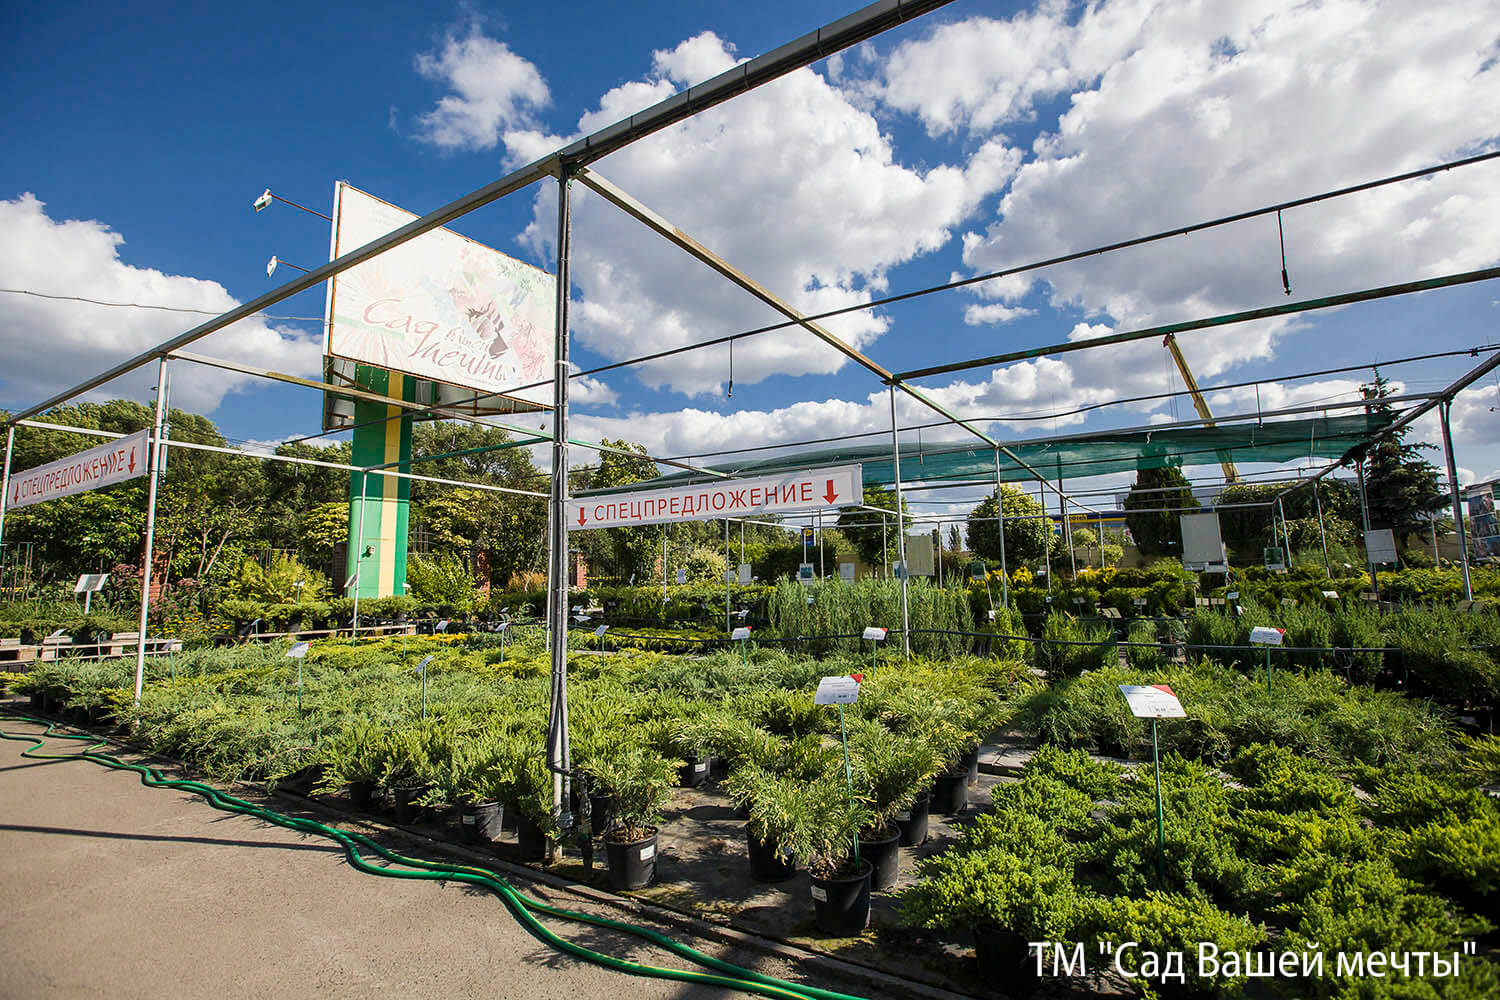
(574, 162)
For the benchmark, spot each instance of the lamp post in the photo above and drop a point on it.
(275, 262)
(266, 197)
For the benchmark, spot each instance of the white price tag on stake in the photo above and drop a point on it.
(1152, 701)
(1139, 602)
(1261, 635)
(837, 691)
(298, 650)
(1233, 595)
(1331, 593)
(599, 632)
(876, 634)
(422, 667)
(743, 632)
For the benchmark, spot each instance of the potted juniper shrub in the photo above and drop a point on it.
(640, 781)
(465, 778)
(411, 755)
(1005, 899)
(524, 784)
(355, 758)
(891, 772)
(821, 829)
(760, 787)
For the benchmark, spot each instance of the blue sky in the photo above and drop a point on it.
(984, 135)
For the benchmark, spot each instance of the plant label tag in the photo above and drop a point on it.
(682, 576)
(700, 767)
(469, 819)
(744, 572)
(648, 852)
(875, 634)
(1233, 595)
(819, 894)
(1263, 636)
(1331, 594)
(599, 632)
(743, 632)
(837, 691)
(298, 650)
(992, 614)
(422, 667)
(1152, 701)
(1139, 602)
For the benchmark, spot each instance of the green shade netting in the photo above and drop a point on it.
(1072, 457)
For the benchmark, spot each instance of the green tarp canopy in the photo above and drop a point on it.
(1071, 457)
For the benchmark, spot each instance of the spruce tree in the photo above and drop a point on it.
(1401, 485)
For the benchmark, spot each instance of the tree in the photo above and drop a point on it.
(1026, 537)
(629, 552)
(1247, 529)
(1401, 487)
(1153, 510)
(873, 540)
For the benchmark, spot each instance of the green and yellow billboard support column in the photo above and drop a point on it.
(378, 515)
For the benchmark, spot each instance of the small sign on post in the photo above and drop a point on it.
(297, 652)
(1155, 701)
(741, 635)
(88, 585)
(1267, 637)
(422, 672)
(841, 691)
(745, 576)
(846, 572)
(805, 575)
(681, 576)
(876, 635)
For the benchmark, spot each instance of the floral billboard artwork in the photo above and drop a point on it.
(439, 307)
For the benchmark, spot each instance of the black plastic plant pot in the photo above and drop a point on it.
(970, 763)
(479, 822)
(362, 794)
(38, 699)
(884, 855)
(531, 839)
(632, 865)
(765, 865)
(913, 822)
(950, 793)
(694, 772)
(1005, 961)
(841, 905)
(404, 800)
(601, 812)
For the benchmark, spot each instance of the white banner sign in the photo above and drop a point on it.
(1154, 701)
(440, 306)
(121, 459)
(809, 490)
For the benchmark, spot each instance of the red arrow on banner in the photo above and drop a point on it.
(831, 494)
(132, 460)
(580, 517)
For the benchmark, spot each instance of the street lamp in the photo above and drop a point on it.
(266, 197)
(275, 262)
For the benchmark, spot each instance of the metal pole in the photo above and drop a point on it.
(359, 555)
(557, 725)
(727, 626)
(1364, 506)
(10, 443)
(153, 460)
(1285, 534)
(1322, 537)
(1433, 525)
(820, 544)
(1000, 513)
(939, 548)
(1067, 527)
(885, 547)
(900, 530)
(1161, 826)
(1458, 511)
(1041, 497)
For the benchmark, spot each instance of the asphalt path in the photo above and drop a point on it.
(112, 889)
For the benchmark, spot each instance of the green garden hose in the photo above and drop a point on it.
(521, 906)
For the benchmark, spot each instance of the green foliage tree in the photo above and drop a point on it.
(627, 551)
(875, 544)
(1153, 510)
(1247, 530)
(1026, 539)
(1400, 485)
(322, 529)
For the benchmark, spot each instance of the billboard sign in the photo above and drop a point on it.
(439, 307)
(104, 465)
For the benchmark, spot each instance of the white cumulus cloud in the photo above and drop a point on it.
(47, 345)
(493, 90)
